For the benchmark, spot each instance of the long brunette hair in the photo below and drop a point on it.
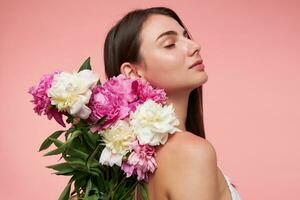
(122, 44)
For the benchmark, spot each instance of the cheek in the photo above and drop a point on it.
(166, 61)
(169, 60)
(166, 71)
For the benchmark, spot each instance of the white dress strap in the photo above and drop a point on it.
(234, 193)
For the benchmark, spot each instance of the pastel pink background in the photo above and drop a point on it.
(251, 100)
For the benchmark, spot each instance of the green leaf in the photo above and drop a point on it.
(69, 119)
(66, 192)
(92, 156)
(79, 183)
(71, 130)
(86, 65)
(56, 142)
(144, 192)
(90, 138)
(100, 181)
(59, 150)
(128, 192)
(74, 135)
(48, 142)
(59, 167)
(62, 146)
(95, 164)
(88, 188)
(69, 141)
(78, 144)
(77, 153)
(93, 197)
(75, 162)
(96, 172)
(67, 171)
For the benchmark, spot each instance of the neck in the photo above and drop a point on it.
(180, 104)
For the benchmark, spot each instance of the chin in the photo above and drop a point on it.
(200, 80)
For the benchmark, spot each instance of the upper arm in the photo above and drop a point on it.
(194, 173)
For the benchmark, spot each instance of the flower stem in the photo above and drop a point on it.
(126, 194)
(123, 179)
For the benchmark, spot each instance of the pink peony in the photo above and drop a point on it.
(145, 91)
(128, 169)
(42, 101)
(117, 97)
(112, 99)
(102, 103)
(121, 86)
(141, 161)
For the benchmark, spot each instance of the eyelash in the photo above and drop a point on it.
(171, 45)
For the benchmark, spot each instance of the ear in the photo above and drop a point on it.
(130, 70)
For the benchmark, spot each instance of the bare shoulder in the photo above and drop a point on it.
(190, 167)
(188, 144)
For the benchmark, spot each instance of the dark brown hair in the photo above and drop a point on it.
(122, 44)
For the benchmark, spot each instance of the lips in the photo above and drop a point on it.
(196, 63)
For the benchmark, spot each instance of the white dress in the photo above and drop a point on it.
(234, 193)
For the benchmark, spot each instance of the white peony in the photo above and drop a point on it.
(152, 122)
(71, 92)
(118, 137)
(109, 158)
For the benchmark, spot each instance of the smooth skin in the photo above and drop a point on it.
(187, 164)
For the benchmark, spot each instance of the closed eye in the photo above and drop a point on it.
(169, 46)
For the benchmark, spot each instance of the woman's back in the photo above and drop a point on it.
(173, 160)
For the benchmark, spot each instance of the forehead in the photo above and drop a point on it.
(157, 24)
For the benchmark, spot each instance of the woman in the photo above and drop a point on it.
(155, 45)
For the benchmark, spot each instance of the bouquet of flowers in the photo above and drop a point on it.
(114, 131)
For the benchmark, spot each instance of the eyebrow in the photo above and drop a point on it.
(170, 33)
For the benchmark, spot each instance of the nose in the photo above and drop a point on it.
(194, 47)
